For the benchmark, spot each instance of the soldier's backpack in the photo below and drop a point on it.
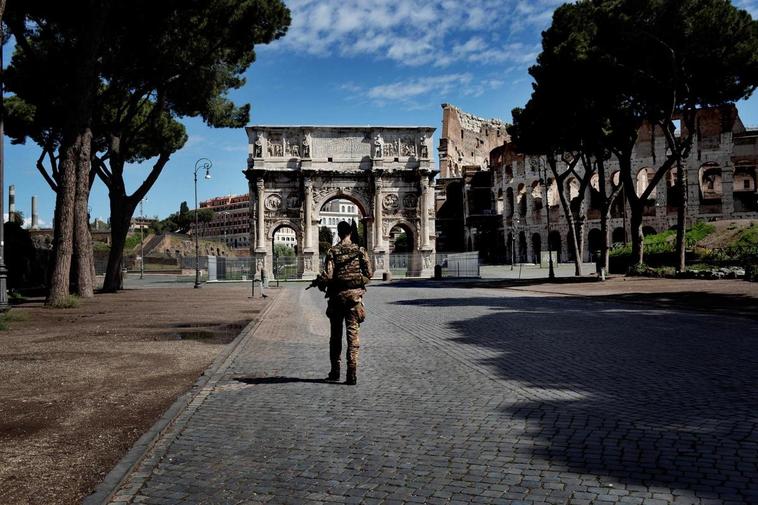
(350, 270)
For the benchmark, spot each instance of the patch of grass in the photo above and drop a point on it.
(100, 246)
(132, 241)
(665, 241)
(660, 242)
(698, 232)
(69, 302)
(15, 297)
(748, 237)
(11, 316)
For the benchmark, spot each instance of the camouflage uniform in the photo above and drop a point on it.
(347, 269)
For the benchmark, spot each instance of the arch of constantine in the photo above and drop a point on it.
(292, 171)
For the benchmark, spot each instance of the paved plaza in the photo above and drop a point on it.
(472, 396)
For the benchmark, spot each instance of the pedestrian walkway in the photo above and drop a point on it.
(471, 396)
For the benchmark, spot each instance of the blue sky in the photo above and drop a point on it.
(391, 62)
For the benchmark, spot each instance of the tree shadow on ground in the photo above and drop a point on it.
(722, 303)
(647, 396)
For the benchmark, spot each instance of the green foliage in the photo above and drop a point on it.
(325, 238)
(69, 302)
(698, 232)
(204, 215)
(15, 297)
(660, 242)
(129, 71)
(401, 242)
(664, 242)
(11, 316)
(355, 235)
(100, 246)
(132, 241)
(283, 250)
(748, 237)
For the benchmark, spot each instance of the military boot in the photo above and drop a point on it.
(351, 379)
(334, 373)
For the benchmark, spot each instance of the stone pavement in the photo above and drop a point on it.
(472, 396)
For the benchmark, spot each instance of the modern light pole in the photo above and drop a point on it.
(226, 218)
(142, 240)
(201, 164)
(514, 229)
(551, 270)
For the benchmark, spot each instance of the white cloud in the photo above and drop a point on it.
(749, 5)
(438, 87)
(415, 32)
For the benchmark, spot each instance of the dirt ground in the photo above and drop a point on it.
(81, 385)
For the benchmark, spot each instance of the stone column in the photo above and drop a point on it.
(310, 260)
(380, 252)
(378, 239)
(307, 215)
(427, 251)
(424, 209)
(260, 241)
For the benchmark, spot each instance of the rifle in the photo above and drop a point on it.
(319, 282)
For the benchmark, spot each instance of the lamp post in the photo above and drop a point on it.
(202, 163)
(514, 229)
(226, 217)
(551, 270)
(141, 240)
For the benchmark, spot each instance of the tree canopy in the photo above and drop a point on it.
(138, 67)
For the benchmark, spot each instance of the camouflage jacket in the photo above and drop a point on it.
(347, 270)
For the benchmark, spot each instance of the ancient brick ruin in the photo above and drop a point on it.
(490, 198)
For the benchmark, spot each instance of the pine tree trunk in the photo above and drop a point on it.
(63, 228)
(636, 231)
(681, 216)
(121, 215)
(572, 226)
(85, 262)
(605, 207)
(605, 251)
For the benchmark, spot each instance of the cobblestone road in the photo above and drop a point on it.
(473, 396)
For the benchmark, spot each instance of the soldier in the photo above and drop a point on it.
(347, 270)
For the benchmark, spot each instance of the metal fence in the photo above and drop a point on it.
(284, 268)
(458, 264)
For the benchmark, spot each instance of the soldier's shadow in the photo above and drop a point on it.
(281, 380)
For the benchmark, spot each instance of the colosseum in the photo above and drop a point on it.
(491, 198)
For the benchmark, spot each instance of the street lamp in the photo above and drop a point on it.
(142, 240)
(514, 224)
(226, 217)
(551, 270)
(202, 163)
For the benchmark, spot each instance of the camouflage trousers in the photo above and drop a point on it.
(351, 314)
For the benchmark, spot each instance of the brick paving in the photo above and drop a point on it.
(473, 396)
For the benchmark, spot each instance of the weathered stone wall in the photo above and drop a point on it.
(715, 156)
(466, 140)
(721, 175)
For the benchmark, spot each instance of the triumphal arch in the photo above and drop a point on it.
(386, 171)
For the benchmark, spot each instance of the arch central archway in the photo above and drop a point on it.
(385, 172)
